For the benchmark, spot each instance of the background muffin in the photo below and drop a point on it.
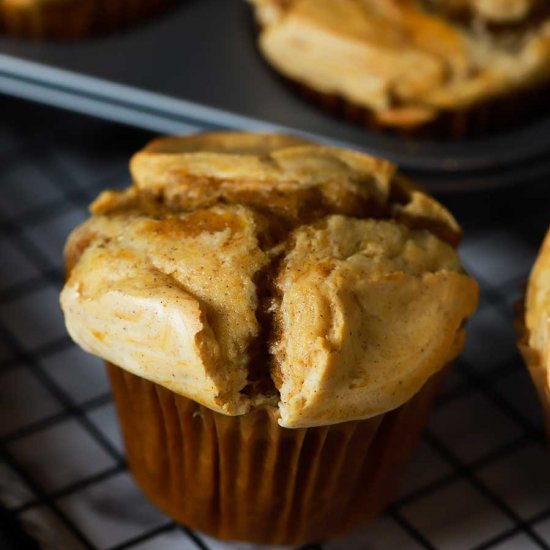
(66, 19)
(532, 325)
(433, 68)
(279, 315)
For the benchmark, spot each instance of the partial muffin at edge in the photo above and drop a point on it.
(532, 324)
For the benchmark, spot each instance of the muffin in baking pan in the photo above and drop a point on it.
(71, 19)
(276, 317)
(433, 68)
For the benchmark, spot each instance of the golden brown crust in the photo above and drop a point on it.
(281, 175)
(380, 298)
(71, 19)
(238, 143)
(408, 65)
(214, 250)
(177, 291)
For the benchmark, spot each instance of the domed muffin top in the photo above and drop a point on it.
(246, 270)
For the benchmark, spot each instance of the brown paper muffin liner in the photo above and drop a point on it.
(495, 115)
(246, 478)
(533, 361)
(71, 19)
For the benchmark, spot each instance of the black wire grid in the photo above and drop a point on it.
(480, 478)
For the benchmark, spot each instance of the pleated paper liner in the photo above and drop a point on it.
(495, 115)
(246, 478)
(533, 361)
(71, 19)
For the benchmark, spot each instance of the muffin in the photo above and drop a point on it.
(434, 68)
(532, 325)
(276, 317)
(69, 19)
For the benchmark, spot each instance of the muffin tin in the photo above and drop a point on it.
(198, 66)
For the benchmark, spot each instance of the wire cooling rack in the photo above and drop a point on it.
(480, 478)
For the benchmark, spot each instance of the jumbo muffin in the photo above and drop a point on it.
(533, 324)
(448, 68)
(276, 317)
(68, 19)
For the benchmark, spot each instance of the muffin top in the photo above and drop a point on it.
(245, 270)
(408, 60)
(537, 307)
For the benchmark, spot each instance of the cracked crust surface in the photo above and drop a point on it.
(171, 299)
(245, 270)
(369, 311)
(408, 60)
